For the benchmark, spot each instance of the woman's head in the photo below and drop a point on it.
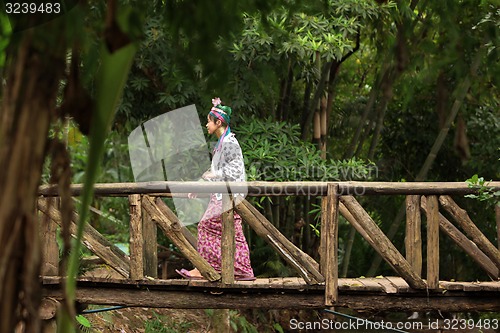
(218, 117)
(218, 120)
(220, 112)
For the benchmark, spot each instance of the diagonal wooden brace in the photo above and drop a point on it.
(379, 241)
(172, 228)
(306, 266)
(93, 240)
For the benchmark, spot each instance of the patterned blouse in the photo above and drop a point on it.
(227, 163)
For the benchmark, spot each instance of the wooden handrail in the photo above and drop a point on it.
(338, 200)
(258, 188)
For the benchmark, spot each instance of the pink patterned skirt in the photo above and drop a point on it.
(209, 240)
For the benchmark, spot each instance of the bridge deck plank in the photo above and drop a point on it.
(369, 284)
(401, 285)
(388, 285)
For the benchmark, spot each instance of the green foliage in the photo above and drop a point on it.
(84, 322)
(277, 327)
(162, 324)
(237, 321)
(266, 262)
(273, 151)
(483, 191)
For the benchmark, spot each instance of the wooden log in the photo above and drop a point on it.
(413, 238)
(497, 217)
(257, 188)
(228, 242)
(200, 299)
(382, 244)
(93, 240)
(465, 244)
(464, 221)
(48, 308)
(150, 244)
(331, 252)
(322, 241)
(172, 231)
(176, 222)
(136, 239)
(432, 242)
(48, 237)
(350, 218)
(300, 261)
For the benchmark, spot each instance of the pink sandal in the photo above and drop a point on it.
(185, 274)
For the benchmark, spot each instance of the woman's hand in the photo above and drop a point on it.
(192, 195)
(208, 175)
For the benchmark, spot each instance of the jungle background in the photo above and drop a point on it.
(321, 90)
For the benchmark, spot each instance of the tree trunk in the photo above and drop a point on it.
(462, 90)
(28, 107)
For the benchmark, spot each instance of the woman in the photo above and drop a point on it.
(227, 165)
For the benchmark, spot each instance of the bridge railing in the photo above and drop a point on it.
(147, 210)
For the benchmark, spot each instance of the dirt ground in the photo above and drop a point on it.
(142, 320)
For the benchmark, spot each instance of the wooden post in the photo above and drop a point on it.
(432, 242)
(465, 244)
(413, 239)
(222, 317)
(150, 247)
(322, 243)
(48, 237)
(228, 240)
(463, 219)
(497, 217)
(379, 241)
(50, 264)
(331, 272)
(136, 238)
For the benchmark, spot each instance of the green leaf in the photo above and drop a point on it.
(110, 81)
(83, 321)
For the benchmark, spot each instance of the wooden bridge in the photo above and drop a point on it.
(316, 284)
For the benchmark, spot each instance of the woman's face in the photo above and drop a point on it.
(212, 126)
